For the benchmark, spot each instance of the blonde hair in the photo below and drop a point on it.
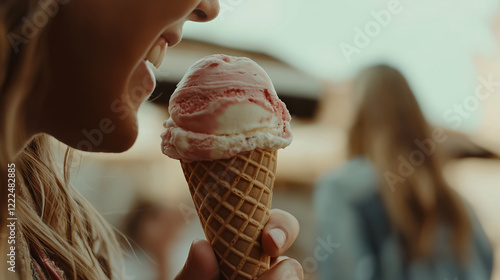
(51, 214)
(386, 127)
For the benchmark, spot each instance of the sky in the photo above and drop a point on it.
(434, 43)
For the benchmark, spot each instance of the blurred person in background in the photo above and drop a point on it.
(389, 207)
(151, 229)
(75, 71)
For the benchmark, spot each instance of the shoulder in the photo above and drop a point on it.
(481, 243)
(355, 175)
(346, 186)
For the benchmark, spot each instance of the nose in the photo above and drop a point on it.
(207, 10)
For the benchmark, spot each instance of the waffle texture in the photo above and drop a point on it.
(233, 198)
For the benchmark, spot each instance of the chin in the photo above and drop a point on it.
(109, 137)
(121, 145)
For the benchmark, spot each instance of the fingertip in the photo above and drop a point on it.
(278, 236)
(204, 256)
(292, 269)
(286, 221)
(201, 263)
(279, 233)
(297, 267)
(277, 260)
(286, 269)
(273, 241)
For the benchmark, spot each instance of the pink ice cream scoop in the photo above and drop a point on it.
(223, 106)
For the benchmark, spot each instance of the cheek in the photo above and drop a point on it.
(98, 79)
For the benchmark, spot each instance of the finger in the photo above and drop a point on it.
(201, 263)
(288, 269)
(275, 261)
(279, 233)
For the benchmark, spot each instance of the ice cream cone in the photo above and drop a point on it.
(226, 124)
(233, 198)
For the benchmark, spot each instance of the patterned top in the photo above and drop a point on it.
(43, 268)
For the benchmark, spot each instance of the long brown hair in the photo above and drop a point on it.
(388, 124)
(51, 215)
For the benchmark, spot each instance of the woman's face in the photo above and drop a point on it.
(98, 75)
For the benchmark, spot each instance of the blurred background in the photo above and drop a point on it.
(311, 50)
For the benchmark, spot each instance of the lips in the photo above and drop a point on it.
(157, 52)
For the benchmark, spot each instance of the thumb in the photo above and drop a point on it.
(201, 263)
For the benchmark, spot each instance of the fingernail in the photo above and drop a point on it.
(278, 236)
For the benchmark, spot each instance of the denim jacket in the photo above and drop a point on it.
(351, 213)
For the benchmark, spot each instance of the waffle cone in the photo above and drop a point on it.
(233, 198)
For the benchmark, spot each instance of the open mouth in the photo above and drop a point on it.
(157, 53)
